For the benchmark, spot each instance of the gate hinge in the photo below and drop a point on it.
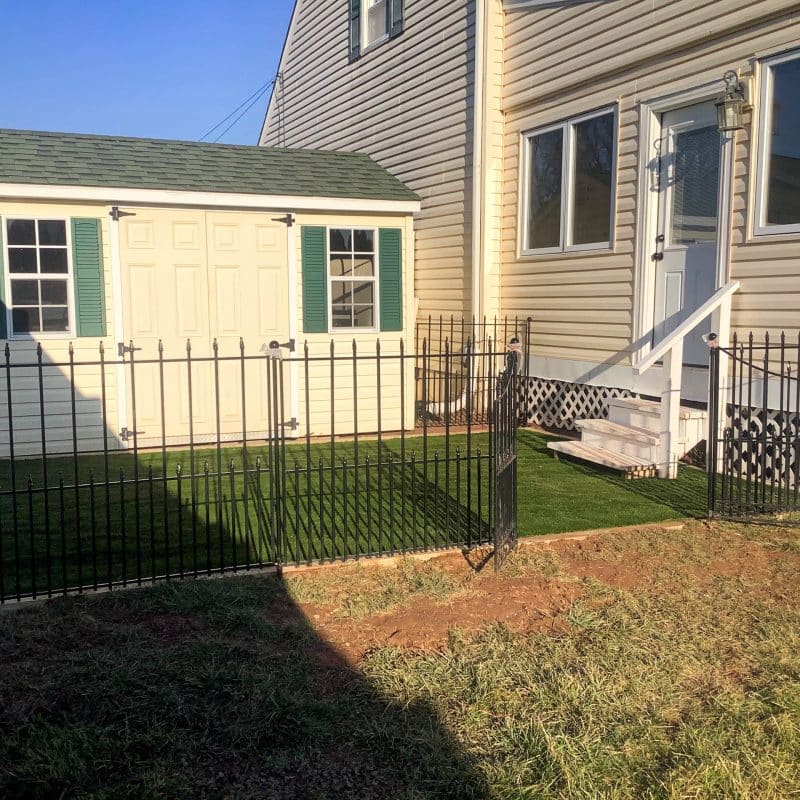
(126, 434)
(287, 220)
(123, 348)
(115, 213)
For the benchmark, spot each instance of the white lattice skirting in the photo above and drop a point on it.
(557, 404)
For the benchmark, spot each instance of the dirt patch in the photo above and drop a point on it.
(172, 628)
(524, 604)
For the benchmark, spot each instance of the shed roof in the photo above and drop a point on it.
(73, 159)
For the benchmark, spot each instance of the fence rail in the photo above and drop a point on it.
(754, 454)
(156, 465)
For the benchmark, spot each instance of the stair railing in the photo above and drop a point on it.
(670, 352)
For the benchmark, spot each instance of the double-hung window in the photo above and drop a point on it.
(38, 281)
(777, 207)
(372, 22)
(568, 186)
(351, 275)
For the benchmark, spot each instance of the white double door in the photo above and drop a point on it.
(685, 250)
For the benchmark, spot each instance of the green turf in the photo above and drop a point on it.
(92, 533)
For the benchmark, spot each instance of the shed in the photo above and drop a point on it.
(154, 249)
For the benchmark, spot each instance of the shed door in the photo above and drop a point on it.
(190, 277)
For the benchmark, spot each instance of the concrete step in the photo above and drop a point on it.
(629, 466)
(624, 439)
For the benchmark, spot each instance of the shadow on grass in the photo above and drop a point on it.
(213, 688)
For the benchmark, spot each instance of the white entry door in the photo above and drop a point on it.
(685, 250)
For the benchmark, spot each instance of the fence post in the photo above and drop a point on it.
(712, 440)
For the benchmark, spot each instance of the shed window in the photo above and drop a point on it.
(778, 180)
(351, 273)
(568, 185)
(38, 288)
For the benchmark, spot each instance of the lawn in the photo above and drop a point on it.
(650, 663)
(374, 500)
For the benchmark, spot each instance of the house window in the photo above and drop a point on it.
(38, 289)
(372, 22)
(778, 177)
(351, 273)
(375, 22)
(568, 185)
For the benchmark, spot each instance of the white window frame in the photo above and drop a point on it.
(331, 279)
(71, 305)
(567, 127)
(365, 45)
(760, 226)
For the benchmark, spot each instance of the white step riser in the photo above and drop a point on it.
(690, 431)
(619, 445)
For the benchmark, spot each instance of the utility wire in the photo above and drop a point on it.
(252, 100)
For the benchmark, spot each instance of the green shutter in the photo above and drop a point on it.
(315, 279)
(87, 266)
(390, 272)
(3, 309)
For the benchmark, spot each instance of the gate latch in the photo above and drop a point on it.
(123, 348)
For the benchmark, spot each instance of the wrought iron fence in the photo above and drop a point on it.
(151, 465)
(754, 453)
(463, 359)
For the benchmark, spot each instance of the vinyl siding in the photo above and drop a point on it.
(567, 61)
(409, 104)
(314, 396)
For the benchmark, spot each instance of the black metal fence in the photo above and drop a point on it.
(155, 465)
(754, 416)
(463, 359)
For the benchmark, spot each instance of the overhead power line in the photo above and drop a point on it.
(244, 107)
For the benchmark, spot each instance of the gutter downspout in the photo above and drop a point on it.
(478, 142)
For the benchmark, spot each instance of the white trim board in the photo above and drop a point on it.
(168, 197)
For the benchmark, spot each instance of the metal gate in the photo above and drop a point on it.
(754, 423)
(505, 422)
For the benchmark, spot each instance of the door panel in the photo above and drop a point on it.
(686, 265)
(195, 276)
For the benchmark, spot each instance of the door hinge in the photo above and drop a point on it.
(291, 424)
(123, 348)
(658, 256)
(287, 220)
(126, 434)
(115, 213)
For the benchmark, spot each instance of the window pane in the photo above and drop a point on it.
(342, 317)
(695, 187)
(22, 259)
(363, 293)
(55, 319)
(54, 293)
(341, 239)
(341, 265)
(364, 266)
(52, 231)
(363, 241)
(53, 260)
(783, 191)
(592, 190)
(25, 320)
(364, 317)
(376, 20)
(21, 231)
(24, 293)
(544, 195)
(341, 292)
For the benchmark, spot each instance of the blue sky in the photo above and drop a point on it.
(169, 69)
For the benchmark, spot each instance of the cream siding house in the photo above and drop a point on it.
(115, 250)
(603, 200)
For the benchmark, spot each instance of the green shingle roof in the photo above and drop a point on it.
(73, 159)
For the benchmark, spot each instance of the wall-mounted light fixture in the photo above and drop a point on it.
(730, 106)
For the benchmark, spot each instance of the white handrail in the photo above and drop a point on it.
(688, 325)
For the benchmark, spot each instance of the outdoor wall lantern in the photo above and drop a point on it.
(730, 106)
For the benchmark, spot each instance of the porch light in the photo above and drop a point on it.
(731, 105)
